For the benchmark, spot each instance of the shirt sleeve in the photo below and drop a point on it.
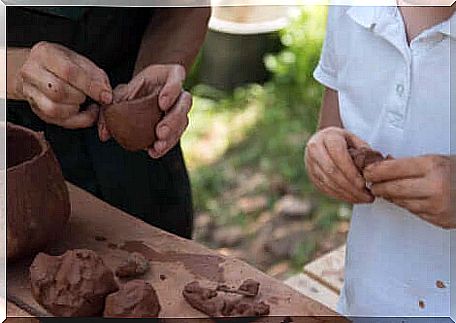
(326, 71)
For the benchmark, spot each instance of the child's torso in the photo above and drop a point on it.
(396, 97)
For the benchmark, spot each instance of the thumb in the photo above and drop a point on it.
(172, 88)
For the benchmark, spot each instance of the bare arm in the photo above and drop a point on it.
(329, 114)
(174, 36)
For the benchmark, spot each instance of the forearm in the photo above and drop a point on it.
(15, 58)
(329, 114)
(174, 36)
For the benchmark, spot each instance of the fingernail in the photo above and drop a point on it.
(164, 132)
(106, 97)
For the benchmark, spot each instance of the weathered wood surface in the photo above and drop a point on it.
(314, 290)
(177, 260)
(329, 269)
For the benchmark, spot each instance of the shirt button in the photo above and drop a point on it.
(400, 89)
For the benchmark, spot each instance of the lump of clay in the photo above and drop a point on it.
(135, 299)
(37, 196)
(203, 299)
(230, 303)
(132, 119)
(363, 157)
(74, 284)
(251, 287)
(135, 265)
(245, 308)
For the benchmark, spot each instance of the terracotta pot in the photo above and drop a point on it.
(38, 204)
(130, 121)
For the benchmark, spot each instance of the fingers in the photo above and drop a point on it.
(172, 88)
(338, 151)
(395, 169)
(64, 115)
(103, 132)
(171, 128)
(323, 183)
(403, 189)
(335, 180)
(49, 109)
(51, 86)
(83, 119)
(318, 154)
(80, 72)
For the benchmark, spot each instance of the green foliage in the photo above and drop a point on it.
(286, 114)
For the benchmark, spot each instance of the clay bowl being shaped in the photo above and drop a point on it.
(38, 204)
(132, 122)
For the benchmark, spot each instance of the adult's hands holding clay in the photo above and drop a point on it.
(331, 168)
(421, 185)
(56, 81)
(166, 80)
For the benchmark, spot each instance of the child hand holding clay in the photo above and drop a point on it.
(387, 76)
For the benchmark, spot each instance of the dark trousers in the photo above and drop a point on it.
(156, 191)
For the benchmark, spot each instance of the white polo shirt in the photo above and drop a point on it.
(397, 98)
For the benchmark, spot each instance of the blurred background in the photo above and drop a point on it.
(255, 106)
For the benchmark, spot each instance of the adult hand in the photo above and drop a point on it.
(166, 80)
(56, 81)
(331, 168)
(419, 184)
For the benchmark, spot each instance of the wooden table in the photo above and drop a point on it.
(98, 226)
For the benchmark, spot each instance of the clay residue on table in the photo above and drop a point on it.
(204, 266)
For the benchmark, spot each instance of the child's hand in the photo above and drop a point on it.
(331, 168)
(420, 185)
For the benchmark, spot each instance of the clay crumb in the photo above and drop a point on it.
(112, 246)
(135, 265)
(100, 238)
(440, 284)
(421, 304)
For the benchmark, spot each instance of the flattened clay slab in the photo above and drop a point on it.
(74, 284)
(135, 299)
(363, 157)
(132, 122)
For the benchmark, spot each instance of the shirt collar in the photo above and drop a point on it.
(449, 27)
(370, 16)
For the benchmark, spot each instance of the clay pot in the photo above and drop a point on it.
(38, 205)
(130, 122)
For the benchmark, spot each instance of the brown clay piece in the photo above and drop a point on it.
(74, 284)
(364, 157)
(135, 265)
(232, 302)
(38, 200)
(135, 299)
(132, 119)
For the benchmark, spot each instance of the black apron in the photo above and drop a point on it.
(157, 191)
